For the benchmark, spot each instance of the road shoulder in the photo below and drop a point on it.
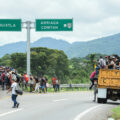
(101, 113)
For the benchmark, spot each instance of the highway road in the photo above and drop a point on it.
(55, 106)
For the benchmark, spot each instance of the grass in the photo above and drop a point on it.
(68, 89)
(62, 90)
(116, 113)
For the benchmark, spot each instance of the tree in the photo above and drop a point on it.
(92, 58)
(18, 61)
(5, 60)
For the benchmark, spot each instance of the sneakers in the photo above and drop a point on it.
(17, 105)
(13, 106)
(90, 88)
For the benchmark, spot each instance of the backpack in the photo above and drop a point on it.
(14, 77)
(18, 90)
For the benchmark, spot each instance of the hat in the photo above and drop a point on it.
(113, 57)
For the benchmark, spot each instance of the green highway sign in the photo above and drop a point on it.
(10, 24)
(54, 24)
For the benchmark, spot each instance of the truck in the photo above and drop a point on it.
(108, 85)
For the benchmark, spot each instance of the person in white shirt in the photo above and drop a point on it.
(14, 94)
(101, 62)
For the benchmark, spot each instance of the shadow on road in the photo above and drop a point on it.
(113, 103)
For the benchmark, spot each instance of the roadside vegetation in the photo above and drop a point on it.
(50, 62)
(116, 113)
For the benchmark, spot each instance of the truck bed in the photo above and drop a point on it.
(109, 79)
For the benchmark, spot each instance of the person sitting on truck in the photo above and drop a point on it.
(106, 62)
(102, 62)
(111, 63)
(117, 61)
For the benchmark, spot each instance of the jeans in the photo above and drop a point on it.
(3, 85)
(92, 81)
(31, 87)
(57, 87)
(14, 99)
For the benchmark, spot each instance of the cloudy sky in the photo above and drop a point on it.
(92, 18)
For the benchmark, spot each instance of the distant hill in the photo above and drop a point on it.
(105, 45)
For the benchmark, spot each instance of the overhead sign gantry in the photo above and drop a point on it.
(40, 25)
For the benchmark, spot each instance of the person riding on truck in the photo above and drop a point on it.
(94, 76)
(102, 62)
(111, 63)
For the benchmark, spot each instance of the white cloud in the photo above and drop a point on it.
(92, 18)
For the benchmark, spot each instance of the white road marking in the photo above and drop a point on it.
(10, 112)
(79, 117)
(59, 100)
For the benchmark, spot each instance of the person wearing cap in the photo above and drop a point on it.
(94, 76)
(111, 63)
(14, 94)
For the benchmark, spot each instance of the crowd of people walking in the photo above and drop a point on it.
(10, 80)
(34, 84)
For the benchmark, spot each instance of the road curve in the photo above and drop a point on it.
(52, 106)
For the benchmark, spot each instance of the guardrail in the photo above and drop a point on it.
(72, 86)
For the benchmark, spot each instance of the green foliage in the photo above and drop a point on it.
(44, 61)
(5, 60)
(80, 71)
(51, 63)
(116, 113)
(18, 61)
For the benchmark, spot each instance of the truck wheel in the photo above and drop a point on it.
(104, 100)
(99, 100)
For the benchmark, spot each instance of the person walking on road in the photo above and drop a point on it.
(3, 80)
(14, 94)
(37, 84)
(32, 82)
(54, 82)
(57, 85)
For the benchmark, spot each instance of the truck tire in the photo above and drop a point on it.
(102, 100)
(99, 100)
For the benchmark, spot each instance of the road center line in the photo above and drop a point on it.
(10, 112)
(79, 117)
(59, 100)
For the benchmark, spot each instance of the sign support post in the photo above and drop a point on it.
(39, 25)
(28, 23)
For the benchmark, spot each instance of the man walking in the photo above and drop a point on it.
(14, 94)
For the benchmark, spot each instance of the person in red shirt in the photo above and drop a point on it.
(3, 80)
(54, 82)
(92, 79)
(26, 80)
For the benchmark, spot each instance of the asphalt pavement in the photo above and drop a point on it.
(55, 106)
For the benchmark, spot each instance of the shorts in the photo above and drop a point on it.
(43, 86)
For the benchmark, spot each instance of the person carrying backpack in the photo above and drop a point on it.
(14, 94)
